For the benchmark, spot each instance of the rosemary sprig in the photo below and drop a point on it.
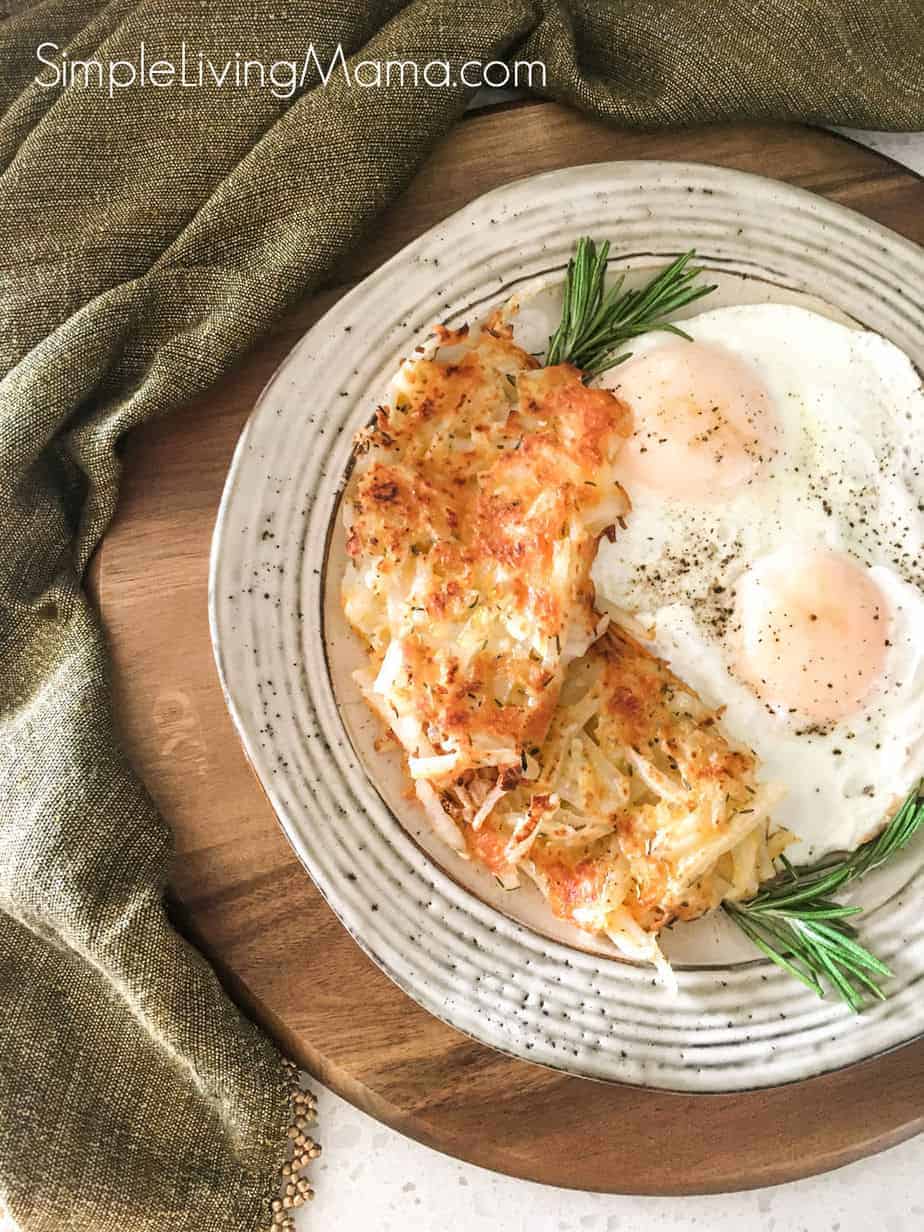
(796, 923)
(594, 322)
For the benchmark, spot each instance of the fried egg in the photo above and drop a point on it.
(774, 552)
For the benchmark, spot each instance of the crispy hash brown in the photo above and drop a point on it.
(639, 811)
(536, 738)
(472, 525)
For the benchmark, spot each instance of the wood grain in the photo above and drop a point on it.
(238, 889)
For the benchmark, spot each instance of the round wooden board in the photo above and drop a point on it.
(239, 891)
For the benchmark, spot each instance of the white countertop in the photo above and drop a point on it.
(371, 1179)
(907, 148)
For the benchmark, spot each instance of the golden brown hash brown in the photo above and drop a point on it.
(534, 744)
(472, 529)
(636, 784)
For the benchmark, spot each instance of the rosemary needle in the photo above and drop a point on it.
(596, 322)
(796, 923)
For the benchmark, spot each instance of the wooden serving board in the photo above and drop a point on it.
(241, 894)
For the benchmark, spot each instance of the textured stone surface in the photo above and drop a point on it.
(367, 1167)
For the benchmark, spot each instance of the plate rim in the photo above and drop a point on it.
(217, 616)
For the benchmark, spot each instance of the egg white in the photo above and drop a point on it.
(848, 476)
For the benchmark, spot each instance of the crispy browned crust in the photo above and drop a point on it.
(480, 495)
(700, 787)
(486, 522)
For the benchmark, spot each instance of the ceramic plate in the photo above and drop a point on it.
(498, 965)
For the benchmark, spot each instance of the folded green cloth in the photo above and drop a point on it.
(148, 235)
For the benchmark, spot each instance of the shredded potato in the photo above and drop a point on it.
(642, 812)
(471, 529)
(537, 739)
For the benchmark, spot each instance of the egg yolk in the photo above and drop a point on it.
(812, 630)
(703, 423)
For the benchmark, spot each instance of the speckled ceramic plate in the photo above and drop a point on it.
(498, 966)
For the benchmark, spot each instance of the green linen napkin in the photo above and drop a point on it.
(148, 235)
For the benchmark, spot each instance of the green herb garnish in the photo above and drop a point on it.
(796, 923)
(595, 323)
